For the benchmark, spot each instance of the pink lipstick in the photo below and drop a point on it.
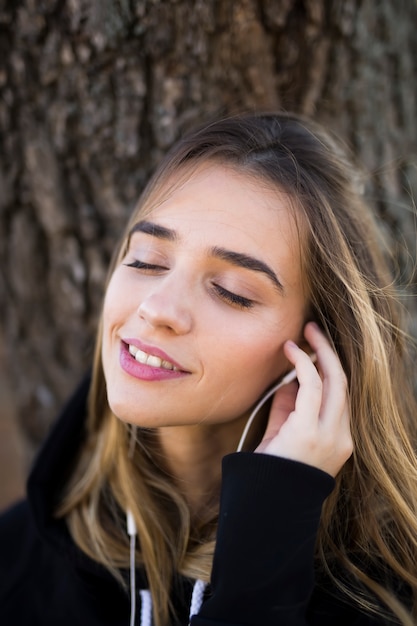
(148, 362)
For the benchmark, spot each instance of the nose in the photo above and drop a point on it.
(164, 307)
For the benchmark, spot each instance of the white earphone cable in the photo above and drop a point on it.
(197, 598)
(131, 531)
(288, 378)
(146, 607)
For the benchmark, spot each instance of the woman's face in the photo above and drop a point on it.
(196, 314)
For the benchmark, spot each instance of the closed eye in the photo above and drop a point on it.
(224, 294)
(140, 265)
(233, 298)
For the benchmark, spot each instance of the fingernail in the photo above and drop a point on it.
(291, 344)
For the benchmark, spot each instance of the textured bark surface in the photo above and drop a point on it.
(93, 92)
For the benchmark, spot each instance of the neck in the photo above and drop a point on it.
(193, 456)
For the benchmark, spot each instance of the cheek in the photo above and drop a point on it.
(118, 301)
(256, 351)
(256, 362)
(111, 298)
(238, 382)
(264, 362)
(252, 357)
(115, 313)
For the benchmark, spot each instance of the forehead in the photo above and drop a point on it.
(220, 197)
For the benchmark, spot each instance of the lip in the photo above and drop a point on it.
(153, 350)
(146, 372)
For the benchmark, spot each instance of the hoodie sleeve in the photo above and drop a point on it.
(263, 569)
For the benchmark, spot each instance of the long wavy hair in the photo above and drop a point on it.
(368, 531)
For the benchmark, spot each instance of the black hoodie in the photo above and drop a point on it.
(263, 572)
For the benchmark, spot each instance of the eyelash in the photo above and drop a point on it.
(228, 296)
(233, 298)
(140, 265)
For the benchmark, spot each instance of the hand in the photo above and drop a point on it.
(310, 421)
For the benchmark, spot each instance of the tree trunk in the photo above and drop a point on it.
(93, 92)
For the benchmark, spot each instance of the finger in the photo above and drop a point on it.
(334, 396)
(309, 397)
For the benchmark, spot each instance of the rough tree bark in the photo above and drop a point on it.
(93, 92)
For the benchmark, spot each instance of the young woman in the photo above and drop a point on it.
(251, 253)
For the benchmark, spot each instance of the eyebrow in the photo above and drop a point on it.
(149, 228)
(237, 259)
(248, 263)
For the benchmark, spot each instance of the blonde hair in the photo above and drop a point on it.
(369, 522)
